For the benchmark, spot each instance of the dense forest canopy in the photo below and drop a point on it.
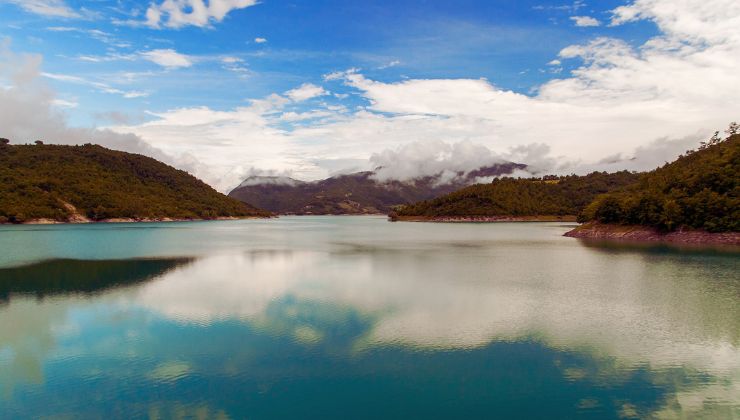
(551, 195)
(700, 190)
(50, 181)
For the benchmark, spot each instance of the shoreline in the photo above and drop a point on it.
(84, 221)
(480, 219)
(643, 234)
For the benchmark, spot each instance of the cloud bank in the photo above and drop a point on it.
(622, 107)
(30, 111)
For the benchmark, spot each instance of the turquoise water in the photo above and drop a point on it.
(355, 317)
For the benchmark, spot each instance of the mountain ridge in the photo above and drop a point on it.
(356, 193)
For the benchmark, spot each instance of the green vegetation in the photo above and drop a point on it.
(62, 182)
(700, 190)
(548, 196)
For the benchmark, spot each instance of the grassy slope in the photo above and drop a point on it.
(521, 197)
(37, 180)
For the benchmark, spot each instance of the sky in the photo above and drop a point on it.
(231, 88)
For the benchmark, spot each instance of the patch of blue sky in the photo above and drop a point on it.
(100, 63)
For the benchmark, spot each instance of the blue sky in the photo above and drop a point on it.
(508, 43)
(110, 63)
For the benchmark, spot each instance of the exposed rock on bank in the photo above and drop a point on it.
(646, 234)
(393, 217)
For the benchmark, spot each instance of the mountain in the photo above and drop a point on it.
(518, 198)
(357, 193)
(700, 191)
(92, 183)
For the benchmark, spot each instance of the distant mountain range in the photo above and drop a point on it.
(357, 193)
(53, 183)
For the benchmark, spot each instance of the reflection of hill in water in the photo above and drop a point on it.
(81, 276)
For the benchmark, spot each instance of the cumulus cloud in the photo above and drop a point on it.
(29, 110)
(168, 58)
(429, 158)
(226, 144)
(585, 21)
(49, 8)
(623, 107)
(306, 91)
(260, 40)
(180, 13)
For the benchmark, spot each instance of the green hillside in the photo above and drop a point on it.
(62, 182)
(517, 197)
(700, 190)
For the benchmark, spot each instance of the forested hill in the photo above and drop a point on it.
(700, 190)
(521, 197)
(66, 183)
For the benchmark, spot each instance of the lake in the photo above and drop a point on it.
(355, 317)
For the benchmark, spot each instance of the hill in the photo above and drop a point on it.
(358, 193)
(92, 183)
(700, 191)
(518, 198)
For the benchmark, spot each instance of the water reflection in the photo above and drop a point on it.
(79, 276)
(36, 302)
(520, 324)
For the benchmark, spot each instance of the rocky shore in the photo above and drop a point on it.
(645, 234)
(480, 219)
(84, 220)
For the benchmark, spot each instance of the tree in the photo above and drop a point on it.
(733, 129)
(4, 140)
(39, 143)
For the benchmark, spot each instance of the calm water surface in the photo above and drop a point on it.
(354, 317)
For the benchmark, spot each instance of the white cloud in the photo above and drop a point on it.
(29, 110)
(622, 107)
(168, 58)
(179, 13)
(99, 86)
(429, 158)
(338, 75)
(227, 144)
(96, 34)
(231, 60)
(390, 64)
(260, 40)
(585, 21)
(135, 94)
(305, 91)
(49, 8)
(63, 103)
